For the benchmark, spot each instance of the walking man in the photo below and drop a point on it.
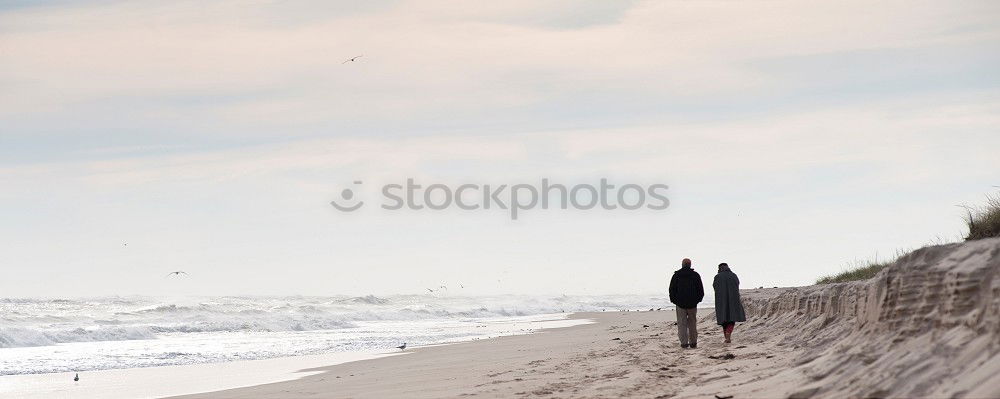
(685, 293)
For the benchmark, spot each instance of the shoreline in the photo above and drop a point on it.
(160, 381)
(537, 364)
(197, 378)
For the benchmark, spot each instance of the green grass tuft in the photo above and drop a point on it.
(984, 221)
(860, 270)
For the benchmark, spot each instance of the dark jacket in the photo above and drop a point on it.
(686, 289)
(728, 307)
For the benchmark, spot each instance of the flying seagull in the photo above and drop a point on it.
(430, 290)
(352, 59)
(445, 287)
(402, 347)
(177, 273)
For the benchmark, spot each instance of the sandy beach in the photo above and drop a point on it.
(622, 354)
(927, 326)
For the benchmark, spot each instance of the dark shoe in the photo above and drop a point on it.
(684, 346)
(694, 346)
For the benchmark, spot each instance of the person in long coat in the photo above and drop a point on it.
(728, 308)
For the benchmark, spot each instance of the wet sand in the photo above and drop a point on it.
(632, 354)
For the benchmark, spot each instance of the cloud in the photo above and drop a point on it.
(901, 141)
(428, 57)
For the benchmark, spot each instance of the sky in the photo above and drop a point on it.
(143, 137)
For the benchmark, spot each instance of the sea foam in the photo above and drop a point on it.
(126, 332)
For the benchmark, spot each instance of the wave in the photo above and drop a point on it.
(15, 337)
(42, 322)
(370, 299)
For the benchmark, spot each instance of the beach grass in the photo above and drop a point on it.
(860, 270)
(983, 221)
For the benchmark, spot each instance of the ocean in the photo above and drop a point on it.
(55, 335)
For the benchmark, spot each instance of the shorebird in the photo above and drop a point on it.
(352, 59)
(402, 347)
(77, 378)
(177, 273)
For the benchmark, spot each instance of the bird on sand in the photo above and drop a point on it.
(402, 347)
(77, 378)
(177, 273)
(352, 59)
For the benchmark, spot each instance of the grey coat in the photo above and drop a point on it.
(728, 307)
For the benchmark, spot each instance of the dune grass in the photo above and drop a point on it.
(984, 221)
(860, 270)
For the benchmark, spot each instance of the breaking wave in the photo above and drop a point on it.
(43, 322)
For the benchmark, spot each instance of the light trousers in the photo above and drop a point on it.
(687, 326)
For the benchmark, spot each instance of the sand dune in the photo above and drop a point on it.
(927, 326)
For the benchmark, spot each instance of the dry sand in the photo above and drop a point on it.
(927, 326)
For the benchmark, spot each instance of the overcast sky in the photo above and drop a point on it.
(211, 136)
